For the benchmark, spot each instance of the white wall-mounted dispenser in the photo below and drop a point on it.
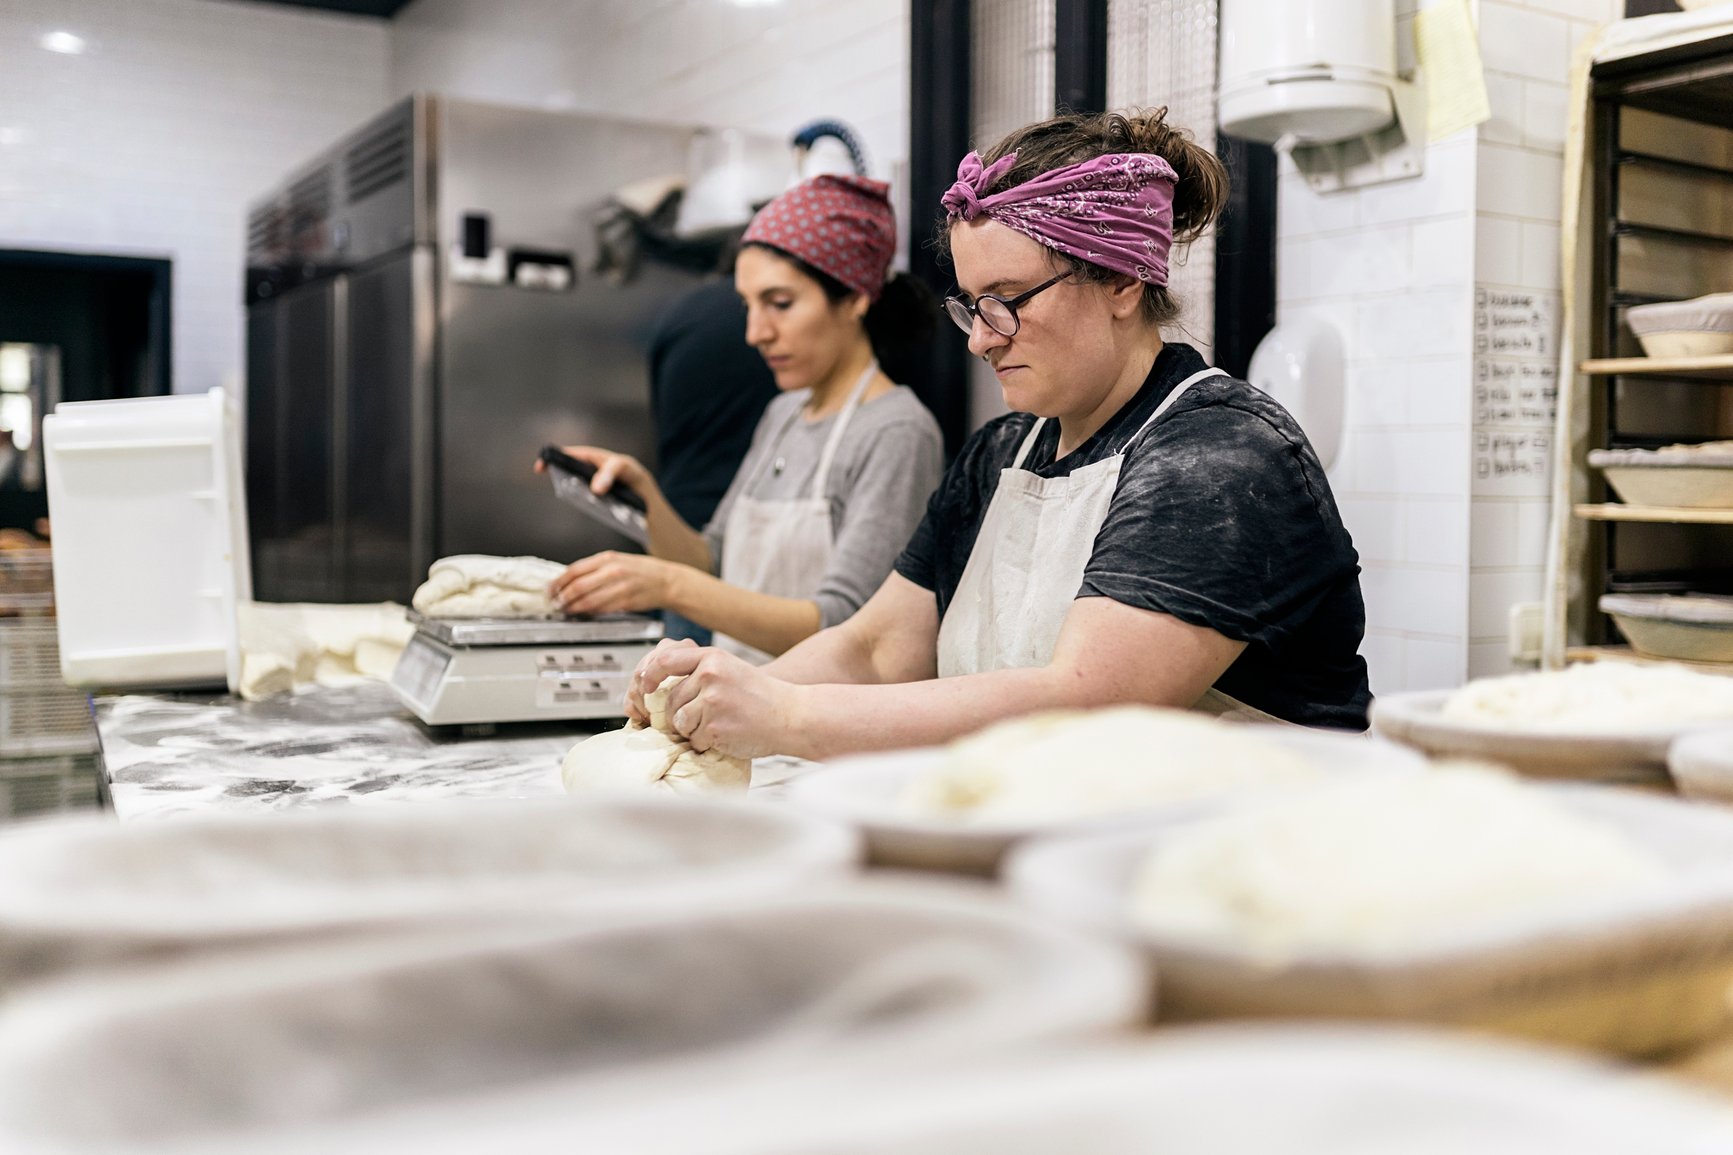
(1318, 79)
(1302, 365)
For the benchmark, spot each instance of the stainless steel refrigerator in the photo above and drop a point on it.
(397, 392)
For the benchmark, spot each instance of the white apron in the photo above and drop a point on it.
(1027, 565)
(782, 547)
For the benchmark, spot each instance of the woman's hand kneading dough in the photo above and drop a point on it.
(654, 758)
(721, 703)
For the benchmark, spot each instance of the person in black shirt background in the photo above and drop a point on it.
(1141, 528)
(708, 388)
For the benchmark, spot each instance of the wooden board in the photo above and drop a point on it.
(1718, 368)
(1626, 654)
(1612, 511)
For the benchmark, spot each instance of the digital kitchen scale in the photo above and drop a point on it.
(469, 671)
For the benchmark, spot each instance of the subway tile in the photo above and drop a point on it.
(1300, 212)
(1533, 532)
(1433, 462)
(1520, 183)
(1293, 269)
(1377, 393)
(1436, 533)
(1373, 260)
(1523, 42)
(1540, 255)
(1434, 665)
(1504, 96)
(1417, 601)
(1444, 187)
(1489, 660)
(1544, 114)
(1424, 323)
(1493, 534)
(1337, 313)
(1491, 595)
(1440, 391)
(1375, 524)
(1498, 252)
(1369, 462)
(1443, 252)
(1386, 661)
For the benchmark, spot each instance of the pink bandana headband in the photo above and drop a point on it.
(1115, 211)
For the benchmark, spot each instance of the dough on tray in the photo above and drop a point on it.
(477, 585)
(1382, 862)
(656, 758)
(1596, 696)
(287, 647)
(1074, 763)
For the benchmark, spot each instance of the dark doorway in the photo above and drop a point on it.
(73, 327)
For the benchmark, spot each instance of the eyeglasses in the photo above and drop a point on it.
(1000, 313)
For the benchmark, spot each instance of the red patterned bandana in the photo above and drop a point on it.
(840, 225)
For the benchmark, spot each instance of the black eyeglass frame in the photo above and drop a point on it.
(972, 309)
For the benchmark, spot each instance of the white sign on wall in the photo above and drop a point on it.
(1515, 390)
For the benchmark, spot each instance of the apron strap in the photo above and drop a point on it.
(1168, 401)
(1028, 443)
(1166, 404)
(821, 478)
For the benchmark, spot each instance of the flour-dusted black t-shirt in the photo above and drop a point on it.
(1222, 518)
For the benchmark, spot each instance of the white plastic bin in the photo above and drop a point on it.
(150, 539)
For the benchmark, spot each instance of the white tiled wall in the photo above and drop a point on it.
(1527, 46)
(770, 67)
(1396, 267)
(1392, 267)
(152, 142)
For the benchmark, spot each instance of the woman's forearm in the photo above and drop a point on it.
(1103, 657)
(838, 654)
(831, 720)
(671, 538)
(770, 623)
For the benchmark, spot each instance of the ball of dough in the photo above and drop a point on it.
(638, 760)
(1381, 862)
(629, 760)
(1597, 696)
(1072, 764)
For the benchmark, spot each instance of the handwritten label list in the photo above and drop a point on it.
(1515, 390)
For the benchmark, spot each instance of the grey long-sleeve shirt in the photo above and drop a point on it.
(888, 462)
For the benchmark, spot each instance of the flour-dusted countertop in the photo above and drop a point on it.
(168, 754)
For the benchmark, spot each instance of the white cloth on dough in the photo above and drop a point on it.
(656, 759)
(293, 646)
(474, 585)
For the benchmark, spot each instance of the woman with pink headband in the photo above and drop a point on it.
(840, 464)
(1140, 528)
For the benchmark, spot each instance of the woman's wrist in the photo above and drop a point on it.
(676, 586)
(802, 723)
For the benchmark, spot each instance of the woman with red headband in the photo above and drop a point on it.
(840, 465)
(1142, 528)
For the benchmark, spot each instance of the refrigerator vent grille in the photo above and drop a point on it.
(378, 161)
(310, 197)
(262, 228)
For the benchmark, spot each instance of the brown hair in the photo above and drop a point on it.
(1071, 138)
